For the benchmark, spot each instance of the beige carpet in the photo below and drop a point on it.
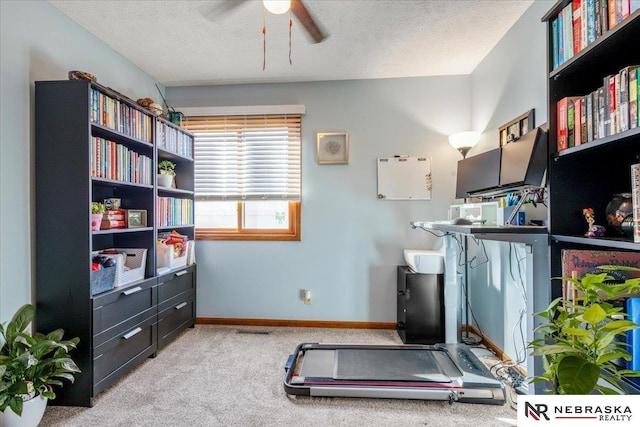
(216, 376)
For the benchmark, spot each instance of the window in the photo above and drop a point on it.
(247, 176)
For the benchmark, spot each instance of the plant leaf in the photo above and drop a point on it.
(594, 314)
(577, 375)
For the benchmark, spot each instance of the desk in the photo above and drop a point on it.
(538, 282)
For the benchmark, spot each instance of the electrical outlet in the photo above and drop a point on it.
(307, 296)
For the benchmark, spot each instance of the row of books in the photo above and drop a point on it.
(117, 115)
(635, 199)
(173, 211)
(610, 109)
(174, 140)
(581, 22)
(111, 160)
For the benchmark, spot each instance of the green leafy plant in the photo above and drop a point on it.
(97, 208)
(166, 167)
(578, 343)
(30, 365)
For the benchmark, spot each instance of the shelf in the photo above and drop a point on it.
(114, 135)
(175, 191)
(171, 227)
(115, 183)
(604, 242)
(618, 137)
(121, 230)
(170, 155)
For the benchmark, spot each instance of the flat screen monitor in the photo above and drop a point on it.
(524, 161)
(478, 173)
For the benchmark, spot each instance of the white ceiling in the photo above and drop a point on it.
(186, 42)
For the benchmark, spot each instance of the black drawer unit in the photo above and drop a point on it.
(176, 303)
(117, 310)
(115, 357)
(420, 307)
(178, 314)
(176, 282)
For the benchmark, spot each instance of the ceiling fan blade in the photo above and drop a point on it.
(213, 11)
(307, 21)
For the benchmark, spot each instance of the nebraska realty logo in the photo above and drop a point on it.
(583, 411)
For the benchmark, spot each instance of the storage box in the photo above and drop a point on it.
(134, 259)
(167, 257)
(103, 280)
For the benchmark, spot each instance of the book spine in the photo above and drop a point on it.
(624, 99)
(591, 21)
(633, 98)
(568, 32)
(617, 108)
(571, 123)
(561, 37)
(611, 6)
(577, 26)
(554, 43)
(611, 102)
(604, 16)
(561, 109)
(635, 199)
(584, 125)
(589, 118)
(634, 5)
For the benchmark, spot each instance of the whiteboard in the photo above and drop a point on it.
(404, 178)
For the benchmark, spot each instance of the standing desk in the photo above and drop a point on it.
(537, 283)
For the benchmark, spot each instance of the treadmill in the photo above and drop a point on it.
(428, 372)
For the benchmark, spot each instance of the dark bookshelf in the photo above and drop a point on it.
(122, 327)
(588, 175)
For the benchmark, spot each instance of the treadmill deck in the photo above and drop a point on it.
(441, 372)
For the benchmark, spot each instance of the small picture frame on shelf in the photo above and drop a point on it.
(333, 148)
(136, 218)
(514, 129)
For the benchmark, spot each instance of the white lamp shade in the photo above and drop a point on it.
(464, 139)
(277, 7)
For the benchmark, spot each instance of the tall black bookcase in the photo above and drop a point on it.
(119, 328)
(588, 175)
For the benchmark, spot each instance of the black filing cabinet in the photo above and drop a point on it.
(420, 307)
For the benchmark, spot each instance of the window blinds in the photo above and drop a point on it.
(246, 157)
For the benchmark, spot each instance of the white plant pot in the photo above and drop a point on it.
(32, 412)
(165, 180)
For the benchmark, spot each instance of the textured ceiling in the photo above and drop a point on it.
(184, 42)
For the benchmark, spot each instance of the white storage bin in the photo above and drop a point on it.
(167, 257)
(135, 260)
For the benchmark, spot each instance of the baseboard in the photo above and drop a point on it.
(494, 347)
(294, 323)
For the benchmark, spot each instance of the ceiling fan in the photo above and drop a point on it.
(297, 7)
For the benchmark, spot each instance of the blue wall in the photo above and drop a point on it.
(351, 241)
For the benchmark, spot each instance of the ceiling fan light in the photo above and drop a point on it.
(277, 7)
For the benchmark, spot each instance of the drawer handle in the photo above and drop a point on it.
(181, 273)
(132, 333)
(179, 306)
(132, 290)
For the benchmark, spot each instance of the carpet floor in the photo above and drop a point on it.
(233, 376)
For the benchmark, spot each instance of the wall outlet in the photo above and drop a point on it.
(306, 296)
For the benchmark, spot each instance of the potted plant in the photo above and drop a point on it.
(167, 171)
(97, 211)
(30, 365)
(578, 343)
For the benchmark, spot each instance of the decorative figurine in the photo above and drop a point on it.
(594, 230)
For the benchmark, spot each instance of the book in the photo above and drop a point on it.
(107, 224)
(562, 129)
(591, 31)
(611, 103)
(612, 7)
(601, 112)
(577, 25)
(568, 32)
(633, 97)
(573, 122)
(635, 199)
(584, 262)
(554, 41)
(589, 119)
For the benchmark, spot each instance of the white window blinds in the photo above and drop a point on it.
(246, 157)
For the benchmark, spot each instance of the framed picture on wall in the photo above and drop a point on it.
(333, 148)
